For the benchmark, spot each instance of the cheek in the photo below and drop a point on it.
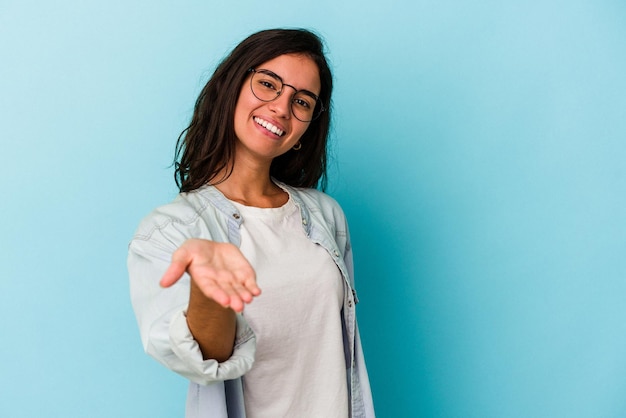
(242, 112)
(245, 101)
(238, 121)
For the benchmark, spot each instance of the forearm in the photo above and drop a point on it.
(211, 325)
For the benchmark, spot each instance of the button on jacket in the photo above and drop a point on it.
(215, 388)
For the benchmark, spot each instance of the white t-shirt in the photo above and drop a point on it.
(299, 368)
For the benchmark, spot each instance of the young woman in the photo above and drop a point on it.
(250, 229)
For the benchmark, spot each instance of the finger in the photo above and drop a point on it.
(227, 298)
(253, 289)
(246, 279)
(173, 273)
(236, 301)
(251, 285)
(244, 294)
(180, 261)
(215, 292)
(244, 284)
(236, 304)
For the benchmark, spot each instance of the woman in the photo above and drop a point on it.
(249, 218)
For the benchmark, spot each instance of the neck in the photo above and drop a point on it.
(251, 185)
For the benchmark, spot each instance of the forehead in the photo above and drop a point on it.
(295, 69)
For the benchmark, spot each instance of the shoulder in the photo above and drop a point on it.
(181, 216)
(316, 200)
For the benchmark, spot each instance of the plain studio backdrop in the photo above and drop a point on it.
(478, 149)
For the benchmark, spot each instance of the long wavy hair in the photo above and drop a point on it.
(205, 148)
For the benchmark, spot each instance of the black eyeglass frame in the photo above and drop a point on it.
(318, 102)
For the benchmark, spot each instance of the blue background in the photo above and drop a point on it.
(478, 150)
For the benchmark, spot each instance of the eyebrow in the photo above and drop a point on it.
(277, 77)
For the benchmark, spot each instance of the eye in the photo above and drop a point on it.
(303, 102)
(267, 83)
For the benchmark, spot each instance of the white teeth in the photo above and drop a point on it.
(269, 126)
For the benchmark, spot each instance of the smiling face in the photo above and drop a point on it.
(266, 130)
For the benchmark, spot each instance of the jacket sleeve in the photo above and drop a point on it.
(161, 313)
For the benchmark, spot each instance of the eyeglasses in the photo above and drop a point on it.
(267, 86)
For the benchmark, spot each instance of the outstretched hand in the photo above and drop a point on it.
(218, 269)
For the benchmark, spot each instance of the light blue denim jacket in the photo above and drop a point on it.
(215, 388)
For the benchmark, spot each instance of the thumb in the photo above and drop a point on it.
(176, 269)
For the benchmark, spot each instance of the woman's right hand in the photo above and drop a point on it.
(219, 270)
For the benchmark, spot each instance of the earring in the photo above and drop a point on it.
(297, 146)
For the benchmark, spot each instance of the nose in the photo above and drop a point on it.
(282, 104)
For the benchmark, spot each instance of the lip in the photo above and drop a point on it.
(272, 122)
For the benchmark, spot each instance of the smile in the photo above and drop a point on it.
(273, 129)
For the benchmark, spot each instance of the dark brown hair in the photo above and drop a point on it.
(207, 145)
